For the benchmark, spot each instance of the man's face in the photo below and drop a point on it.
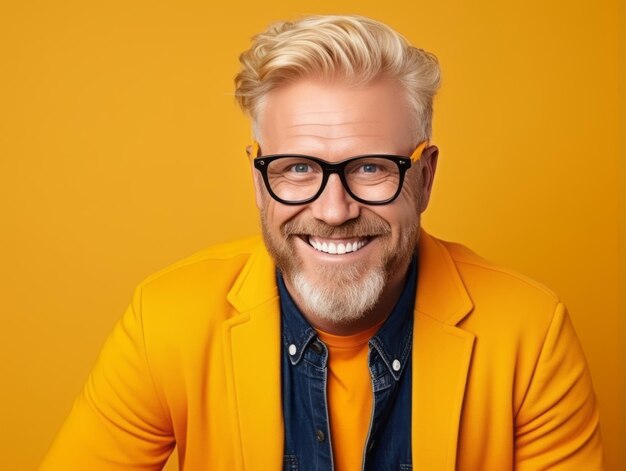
(335, 122)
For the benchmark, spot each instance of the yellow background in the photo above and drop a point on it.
(121, 151)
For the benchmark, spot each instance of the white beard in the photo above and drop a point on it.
(342, 297)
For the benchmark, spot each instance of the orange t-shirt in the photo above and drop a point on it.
(349, 395)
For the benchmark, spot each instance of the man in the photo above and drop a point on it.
(350, 339)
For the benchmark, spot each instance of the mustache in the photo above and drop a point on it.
(359, 227)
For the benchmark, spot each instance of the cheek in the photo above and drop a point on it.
(260, 193)
(276, 214)
(406, 207)
(413, 183)
(400, 215)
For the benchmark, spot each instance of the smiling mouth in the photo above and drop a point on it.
(337, 246)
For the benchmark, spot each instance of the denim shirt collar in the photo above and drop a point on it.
(296, 329)
(392, 341)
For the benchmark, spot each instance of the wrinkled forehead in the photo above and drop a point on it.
(323, 114)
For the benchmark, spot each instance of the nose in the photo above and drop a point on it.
(335, 206)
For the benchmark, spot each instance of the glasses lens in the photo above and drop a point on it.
(373, 179)
(294, 178)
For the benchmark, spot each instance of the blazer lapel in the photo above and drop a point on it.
(441, 358)
(252, 356)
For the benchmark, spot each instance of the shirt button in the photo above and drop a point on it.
(396, 365)
(292, 349)
(319, 435)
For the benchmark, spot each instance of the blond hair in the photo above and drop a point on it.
(353, 49)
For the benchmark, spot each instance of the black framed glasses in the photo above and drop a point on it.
(374, 179)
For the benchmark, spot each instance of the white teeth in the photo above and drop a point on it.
(336, 248)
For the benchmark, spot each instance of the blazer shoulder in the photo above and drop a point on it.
(214, 262)
(190, 289)
(182, 304)
(506, 304)
(476, 268)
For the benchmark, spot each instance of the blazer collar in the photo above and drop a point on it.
(256, 283)
(441, 293)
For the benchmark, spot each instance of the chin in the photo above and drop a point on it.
(338, 294)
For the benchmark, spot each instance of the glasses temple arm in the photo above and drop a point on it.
(254, 152)
(417, 153)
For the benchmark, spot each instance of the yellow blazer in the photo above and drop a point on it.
(499, 379)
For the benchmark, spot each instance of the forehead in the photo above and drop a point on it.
(336, 118)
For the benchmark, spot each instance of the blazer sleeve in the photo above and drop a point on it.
(557, 425)
(118, 422)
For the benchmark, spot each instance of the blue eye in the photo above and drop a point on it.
(300, 168)
(369, 168)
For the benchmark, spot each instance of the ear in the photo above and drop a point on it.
(429, 167)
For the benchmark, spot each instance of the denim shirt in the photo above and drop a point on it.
(304, 368)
